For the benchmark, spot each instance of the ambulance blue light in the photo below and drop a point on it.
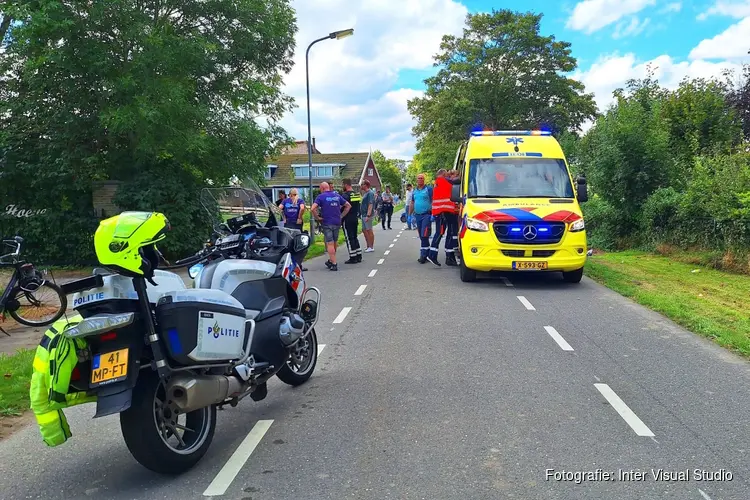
(478, 133)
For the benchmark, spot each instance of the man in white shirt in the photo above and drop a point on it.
(407, 199)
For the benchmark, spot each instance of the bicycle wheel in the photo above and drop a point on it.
(42, 307)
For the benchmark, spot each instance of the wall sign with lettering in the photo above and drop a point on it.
(15, 211)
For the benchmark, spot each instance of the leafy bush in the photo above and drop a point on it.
(661, 215)
(176, 193)
(61, 238)
(602, 227)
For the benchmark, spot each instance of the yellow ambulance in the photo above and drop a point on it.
(519, 208)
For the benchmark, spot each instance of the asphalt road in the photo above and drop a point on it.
(429, 388)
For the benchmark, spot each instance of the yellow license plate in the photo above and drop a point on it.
(109, 367)
(530, 265)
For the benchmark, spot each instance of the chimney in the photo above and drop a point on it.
(313, 148)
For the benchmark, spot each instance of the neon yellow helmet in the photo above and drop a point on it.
(127, 242)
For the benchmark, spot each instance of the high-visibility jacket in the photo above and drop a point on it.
(55, 359)
(441, 198)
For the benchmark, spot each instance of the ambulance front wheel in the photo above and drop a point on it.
(573, 276)
(161, 438)
(467, 275)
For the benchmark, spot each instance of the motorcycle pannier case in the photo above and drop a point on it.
(201, 326)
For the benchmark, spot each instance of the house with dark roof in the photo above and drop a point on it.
(290, 170)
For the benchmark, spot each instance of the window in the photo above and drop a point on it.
(370, 172)
(270, 169)
(519, 178)
(320, 170)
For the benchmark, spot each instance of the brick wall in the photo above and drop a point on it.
(103, 193)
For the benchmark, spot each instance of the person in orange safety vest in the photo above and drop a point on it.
(445, 213)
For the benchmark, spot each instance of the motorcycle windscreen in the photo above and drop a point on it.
(232, 202)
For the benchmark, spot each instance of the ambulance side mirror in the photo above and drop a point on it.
(456, 193)
(583, 190)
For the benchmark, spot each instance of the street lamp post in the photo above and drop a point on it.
(336, 35)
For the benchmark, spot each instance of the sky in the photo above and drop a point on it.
(359, 85)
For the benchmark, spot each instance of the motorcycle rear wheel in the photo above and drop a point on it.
(151, 421)
(300, 367)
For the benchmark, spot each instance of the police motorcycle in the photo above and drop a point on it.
(164, 356)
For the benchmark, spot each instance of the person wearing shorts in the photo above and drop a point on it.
(367, 211)
(330, 202)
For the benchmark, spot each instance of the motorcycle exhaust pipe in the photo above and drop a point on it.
(191, 393)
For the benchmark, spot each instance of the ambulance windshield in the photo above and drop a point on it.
(519, 178)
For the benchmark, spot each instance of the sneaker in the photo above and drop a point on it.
(451, 261)
(370, 250)
(422, 260)
(329, 263)
(433, 260)
(359, 258)
(334, 267)
(352, 260)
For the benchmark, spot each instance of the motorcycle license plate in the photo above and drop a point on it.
(109, 367)
(535, 265)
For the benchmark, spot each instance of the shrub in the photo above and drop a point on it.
(175, 193)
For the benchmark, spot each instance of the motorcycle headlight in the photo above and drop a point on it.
(195, 270)
(476, 225)
(577, 226)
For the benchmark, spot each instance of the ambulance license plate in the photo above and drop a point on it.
(109, 367)
(536, 265)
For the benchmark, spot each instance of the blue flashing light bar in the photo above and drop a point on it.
(478, 133)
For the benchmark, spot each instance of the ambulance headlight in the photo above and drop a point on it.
(476, 225)
(577, 226)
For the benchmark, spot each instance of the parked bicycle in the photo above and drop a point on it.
(28, 297)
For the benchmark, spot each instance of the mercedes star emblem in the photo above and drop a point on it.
(529, 232)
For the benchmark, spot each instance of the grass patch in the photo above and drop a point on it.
(15, 370)
(706, 301)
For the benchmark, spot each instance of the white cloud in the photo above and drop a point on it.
(354, 106)
(633, 28)
(613, 71)
(671, 7)
(736, 9)
(592, 15)
(732, 43)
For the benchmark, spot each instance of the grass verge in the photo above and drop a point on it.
(15, 370)
(708, 302)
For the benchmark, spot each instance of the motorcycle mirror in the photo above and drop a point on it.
(301, 242)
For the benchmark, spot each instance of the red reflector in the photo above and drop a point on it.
(108, 336)
(76, 375)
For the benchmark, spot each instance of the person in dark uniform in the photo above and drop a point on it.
(351, 223)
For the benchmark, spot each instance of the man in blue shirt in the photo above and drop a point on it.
(330, 203)
(421, 207)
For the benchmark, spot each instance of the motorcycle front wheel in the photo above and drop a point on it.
(158, 435)
(301, 364)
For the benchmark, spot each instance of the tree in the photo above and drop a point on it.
(627, 153)
(738, 96)
(389, 171)
(500, 74)
(133, 89)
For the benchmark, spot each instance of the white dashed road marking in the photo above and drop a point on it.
(372, 273)
(386, 252)
(526, 303)
(391, 245)
(342, 315)
(320, 348)
(558, 338)
(395, 240)
(381, 261)
(625, 412)
(230, 470)
(360, 290)
(703, 494)
(506, 281)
